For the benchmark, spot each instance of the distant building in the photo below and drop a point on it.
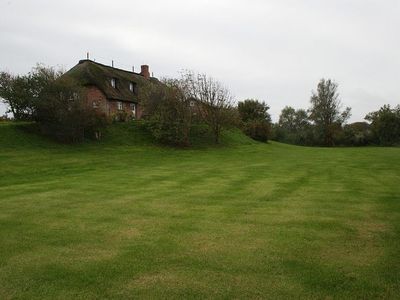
(112, 91)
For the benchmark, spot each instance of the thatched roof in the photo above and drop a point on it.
(90, 73)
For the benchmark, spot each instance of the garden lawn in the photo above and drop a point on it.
(125, 218)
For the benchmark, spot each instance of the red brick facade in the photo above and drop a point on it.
(112, 108)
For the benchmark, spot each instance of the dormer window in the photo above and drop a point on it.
(132, 87)
(114, 83)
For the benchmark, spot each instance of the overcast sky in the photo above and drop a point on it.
(273, 50)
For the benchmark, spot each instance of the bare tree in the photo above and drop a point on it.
(215, 103)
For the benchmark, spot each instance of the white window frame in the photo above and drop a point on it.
(120, 105)
(95, 104)
(133, 109)
(132, 87)
(114, 83)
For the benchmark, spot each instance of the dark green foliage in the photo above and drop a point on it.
(356, 134)
(56, 103)
(120, 116)
(168, 115)
(63, 113)
(294, 127)
(325, 112)
(255, 119)
(252, 109)
(257, 130)
(385, 125)
(21, 92)
(321, 125)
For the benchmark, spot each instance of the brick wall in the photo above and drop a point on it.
(109, 107)
(94, 95)
(126, 108)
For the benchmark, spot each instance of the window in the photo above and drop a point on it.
(192, 104)
(114, 83)
(132, 87)
(95, 104)
(119, 105)
(133, 108)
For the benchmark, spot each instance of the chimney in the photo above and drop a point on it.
(145, 71)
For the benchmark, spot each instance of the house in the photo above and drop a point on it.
(112, 91)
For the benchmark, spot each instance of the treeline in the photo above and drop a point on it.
(324, 123)
(177, 110)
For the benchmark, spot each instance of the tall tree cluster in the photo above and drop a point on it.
(321, 124)
(22, 92)
(57, 104)
(385, 125)
(325, 111)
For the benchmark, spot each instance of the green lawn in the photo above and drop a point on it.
(128, 219)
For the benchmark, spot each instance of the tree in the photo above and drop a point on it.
(168, 113)
(256, 121)
(287, 119)
(213, 100)
(64, 114)
(326, 112)
(16, 94)
(252, 109)
(357, 134)
(294, 127)
(21, 92)
(385, 125)
(301, 121)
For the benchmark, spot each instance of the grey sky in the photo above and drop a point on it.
(274, 50)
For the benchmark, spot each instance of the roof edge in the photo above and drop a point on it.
(103, 65)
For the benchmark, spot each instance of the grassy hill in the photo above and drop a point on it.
(126, 218)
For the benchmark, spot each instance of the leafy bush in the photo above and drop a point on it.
(256, 121)
(120, 116)
(168, 114)
(252, 109)
(356, 134)
(63, 113)
(21, 92)
(385, 125)
(257, 130)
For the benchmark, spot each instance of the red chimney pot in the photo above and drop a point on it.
(145, 71)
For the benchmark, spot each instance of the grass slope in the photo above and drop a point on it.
(128, 219)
